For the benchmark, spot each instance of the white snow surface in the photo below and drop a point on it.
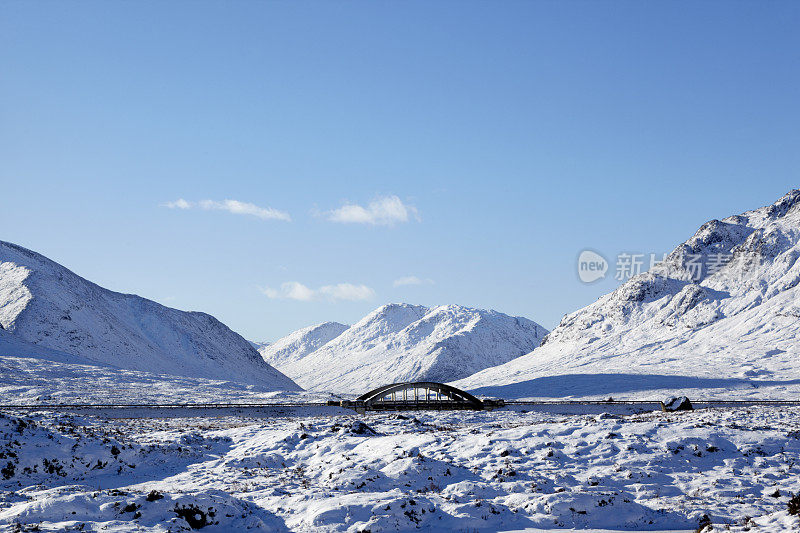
(11, 345)
(730, 333)
(403, 342)
(460, 471)
(32, 381)
(44, 304)
(300, 343)
(259, 344)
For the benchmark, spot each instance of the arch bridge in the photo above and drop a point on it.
(418, 395)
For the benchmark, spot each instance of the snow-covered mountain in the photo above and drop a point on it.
(721, 312)
(44, 304)
(13, 346)
(401, 342)
(300, 343)
(258, 344)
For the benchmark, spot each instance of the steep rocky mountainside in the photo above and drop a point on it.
(723, 305)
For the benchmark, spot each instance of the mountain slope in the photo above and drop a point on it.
(258, 345)
(300, 343)
(732, 323)
(45, 304)
(13, 346)
(401, 342)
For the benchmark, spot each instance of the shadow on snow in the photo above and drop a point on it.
(609, 384)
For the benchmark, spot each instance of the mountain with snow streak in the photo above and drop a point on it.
(402, 342)
(300, 343)
(46, 305)
(722, 312)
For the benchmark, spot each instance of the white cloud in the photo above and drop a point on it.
(231, 206)
(297, 291)
(180, 203)
(411, 280)
(270, 292)
(385, 211)
(347, 291)
(243, 208)
(294, 290)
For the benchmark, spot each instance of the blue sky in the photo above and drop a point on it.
(493, 141)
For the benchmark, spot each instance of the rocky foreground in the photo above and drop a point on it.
(464, 471)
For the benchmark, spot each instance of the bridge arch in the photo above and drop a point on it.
(414, 395)
(419, 392)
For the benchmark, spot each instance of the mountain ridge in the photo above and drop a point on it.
(300, 343)
(737, 319)
(48, 305)
(405, 342)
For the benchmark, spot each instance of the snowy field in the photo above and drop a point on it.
(460, 471)
(27, 381)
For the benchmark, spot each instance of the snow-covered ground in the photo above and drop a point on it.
(402, 342)
(25, 381)
(432, 471)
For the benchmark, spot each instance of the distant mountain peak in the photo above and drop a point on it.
(404, 342)
(786, 204)
(300, 343)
